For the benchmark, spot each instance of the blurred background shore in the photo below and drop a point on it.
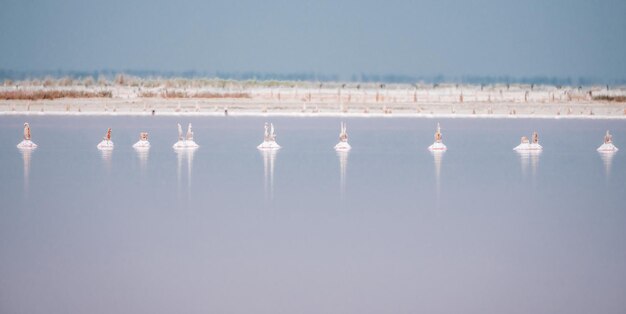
(132, 95)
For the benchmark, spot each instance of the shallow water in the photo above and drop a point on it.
(388, 227)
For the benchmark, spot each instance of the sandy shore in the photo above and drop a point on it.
(389, 101)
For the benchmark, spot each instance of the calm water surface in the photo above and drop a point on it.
(387, 228)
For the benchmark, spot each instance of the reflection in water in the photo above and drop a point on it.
(26, 155)
(185, 153)
(529, 157)
(269, 157)
(142, 153)
(607, 159)
(106, 157)
(343, 165)
(437, 157)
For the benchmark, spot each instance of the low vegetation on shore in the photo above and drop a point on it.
(620, 98)
(52, 94)
(303, 93)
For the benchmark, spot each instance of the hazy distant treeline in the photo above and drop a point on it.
(314, 77)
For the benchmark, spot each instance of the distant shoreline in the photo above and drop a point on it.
(310, 99)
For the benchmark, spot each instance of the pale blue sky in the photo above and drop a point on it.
(418, 38)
